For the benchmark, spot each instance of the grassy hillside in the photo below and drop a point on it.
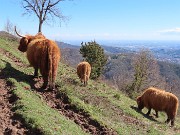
(73, 109)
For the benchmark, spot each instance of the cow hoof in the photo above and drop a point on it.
(52, 87)
(40, 90)
(49, 90)
(35, 76)
(44, 87)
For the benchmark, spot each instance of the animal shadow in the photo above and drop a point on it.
(145, 115)
(11, 72)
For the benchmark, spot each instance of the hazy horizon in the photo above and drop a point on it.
(119, 43)
(102, 20)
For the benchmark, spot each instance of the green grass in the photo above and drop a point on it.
(31, 106)
(38, 115)
(104, 104)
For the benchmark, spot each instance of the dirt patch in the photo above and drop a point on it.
(12, 57)
(9, 124)
(59, 101)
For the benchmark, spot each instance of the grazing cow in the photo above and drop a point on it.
(83, 72)
(159, 100)
(43, 54)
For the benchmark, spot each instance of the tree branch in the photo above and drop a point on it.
(32, 7)
(53, 4)
(44, 9)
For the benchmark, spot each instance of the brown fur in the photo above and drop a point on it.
(159, 100)
(83, 72)
(43, 54)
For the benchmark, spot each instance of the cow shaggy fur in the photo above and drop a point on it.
(159, 100)
(43, 54)
(83, 72)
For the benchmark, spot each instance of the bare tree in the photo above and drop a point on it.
(8, 27)
(45, 10)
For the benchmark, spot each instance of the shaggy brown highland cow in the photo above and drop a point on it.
(43, 54)
(159, 100)
(83, 72)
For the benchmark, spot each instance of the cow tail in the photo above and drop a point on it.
(176, 106)
(85, 75)
(50, 55)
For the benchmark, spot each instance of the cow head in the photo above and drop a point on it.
(24, 44)
(25, 40)
(140, 103)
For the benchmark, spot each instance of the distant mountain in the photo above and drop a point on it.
(66, 45)
(5, 34)
(108, 49)
(169, 54)
(71, 55)
(115, 50)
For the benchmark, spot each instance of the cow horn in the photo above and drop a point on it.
(17, 32)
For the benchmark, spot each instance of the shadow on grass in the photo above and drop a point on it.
(23, 126)
(11, 72)
(145, 115)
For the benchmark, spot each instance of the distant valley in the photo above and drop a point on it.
(168, 51)
(119, 70)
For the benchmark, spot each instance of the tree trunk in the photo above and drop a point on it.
(40, 26)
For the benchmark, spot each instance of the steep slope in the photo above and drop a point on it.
(72, 108)
(119, 69)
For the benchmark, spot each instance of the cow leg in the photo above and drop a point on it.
(86, 80)
(35, 72)
(84, 83)
(167, 121)
(149, 111)
(172, 118)
(51, 85)
(157, 116)
(45, 82)
(54, 74)
(81, 78)
(172, 122)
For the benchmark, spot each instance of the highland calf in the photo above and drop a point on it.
(43, 54)
(159, 100)
(83, 72)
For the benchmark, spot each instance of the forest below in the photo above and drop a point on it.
(119, 69)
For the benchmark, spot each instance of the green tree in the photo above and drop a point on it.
(94, 54)
(146, 72)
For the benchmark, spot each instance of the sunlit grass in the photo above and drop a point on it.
(104, 104)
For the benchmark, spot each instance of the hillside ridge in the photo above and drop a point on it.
(108, 110)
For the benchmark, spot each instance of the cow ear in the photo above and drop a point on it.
(29, 38)
(26, 41)
(138, 99)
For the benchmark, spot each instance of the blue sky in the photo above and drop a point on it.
(103, 20)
